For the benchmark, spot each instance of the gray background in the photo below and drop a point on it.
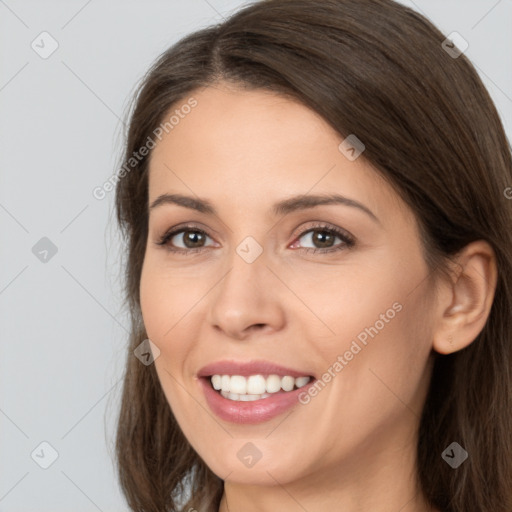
(62, 325)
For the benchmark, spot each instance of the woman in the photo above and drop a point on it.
(319, 257)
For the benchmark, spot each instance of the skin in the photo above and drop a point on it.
(352, 447)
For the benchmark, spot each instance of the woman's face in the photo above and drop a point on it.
(274, 295)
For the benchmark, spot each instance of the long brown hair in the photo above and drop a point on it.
(376, 69)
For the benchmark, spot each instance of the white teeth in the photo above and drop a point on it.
(217, 382)
(238, 384)
(243, 398)
(301, 381)
(255, 384)
(251, 398)
(288, 383)
(273, 384)
(224, 383)
(254, 387)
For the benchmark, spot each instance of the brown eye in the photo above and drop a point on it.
(193, 239)
(184, 240)
(323, 239)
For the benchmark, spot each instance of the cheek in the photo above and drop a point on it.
(381, 344)
(152, 303)
(165, 297)
(396, 350)
(169, 305)
(349, 304)
(162, 309)
(366, 398)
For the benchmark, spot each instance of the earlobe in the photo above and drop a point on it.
(465, 302)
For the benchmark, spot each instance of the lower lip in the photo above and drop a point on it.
(257, 411)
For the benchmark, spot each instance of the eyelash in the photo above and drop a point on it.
(347, 240)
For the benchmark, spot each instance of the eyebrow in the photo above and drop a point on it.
(286, 206)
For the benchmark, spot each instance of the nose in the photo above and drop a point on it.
(248, 300)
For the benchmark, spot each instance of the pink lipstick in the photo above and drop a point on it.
(252, 392)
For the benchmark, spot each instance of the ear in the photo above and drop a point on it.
(464, 302)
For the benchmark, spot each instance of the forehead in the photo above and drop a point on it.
(234, 123)
(257, 147)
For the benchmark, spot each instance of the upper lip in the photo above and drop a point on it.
(247, 368)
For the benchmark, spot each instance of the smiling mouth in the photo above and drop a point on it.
(255, 387)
